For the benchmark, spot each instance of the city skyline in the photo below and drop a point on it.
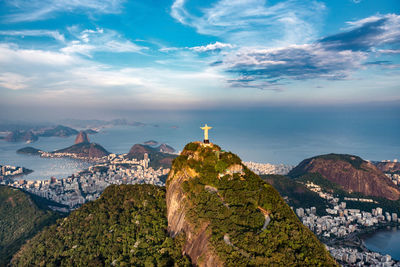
(128, 55)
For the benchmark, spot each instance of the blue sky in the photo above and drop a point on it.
(191, 54)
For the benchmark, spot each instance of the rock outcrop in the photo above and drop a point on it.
(82, 137)
(352, 173)
(230, 217)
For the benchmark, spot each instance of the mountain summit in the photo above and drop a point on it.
(82, 137)
(229, 216)
(352, 173)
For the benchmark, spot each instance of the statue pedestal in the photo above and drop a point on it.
(206, 141)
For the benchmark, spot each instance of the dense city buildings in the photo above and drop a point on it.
(267, 168)
(87, 185)
(8, 171)
(343, 223)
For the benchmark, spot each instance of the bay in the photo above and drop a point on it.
(273, 135)
(385, 242)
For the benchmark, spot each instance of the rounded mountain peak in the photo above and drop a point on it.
(82, 137)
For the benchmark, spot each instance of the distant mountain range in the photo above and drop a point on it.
(21, 136)
(33, 135)
(101, 123)
(159, 156)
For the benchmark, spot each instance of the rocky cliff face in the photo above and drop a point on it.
(350, 172)
(197, 245)
(82, 137)
(229, 216)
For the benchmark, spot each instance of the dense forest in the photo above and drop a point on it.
(21, 216)
(126, 226)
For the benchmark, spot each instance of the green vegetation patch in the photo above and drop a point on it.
(20, 218)
(126, 226)
(299, 196)
(233, 210)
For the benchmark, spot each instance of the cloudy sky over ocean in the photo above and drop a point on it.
(187, 54)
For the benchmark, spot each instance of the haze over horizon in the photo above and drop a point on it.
(117, 56)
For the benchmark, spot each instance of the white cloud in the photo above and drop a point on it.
(389, 51)
(296, 62)
(253, 22)
(13, 81)
(211, 47)
(11, 54)
(62, 78)
(53, 34)
(203, 48)
(99, 40)
(33, 10)
(334, 57)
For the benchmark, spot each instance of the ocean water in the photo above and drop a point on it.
(43, 168)
(385, 242)
(273, 135)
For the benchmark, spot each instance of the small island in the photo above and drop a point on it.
(29, 151)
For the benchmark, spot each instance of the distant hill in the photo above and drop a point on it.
(29, 150)
(230, 217)
(21, 136)
(351, 173)
(88, 150)
(164, 148)
(157, 159)
(59, 130)
(126, 226)
(32, 135)
(21, 216)
(151, 143)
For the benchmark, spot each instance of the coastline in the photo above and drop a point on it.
(356, 239)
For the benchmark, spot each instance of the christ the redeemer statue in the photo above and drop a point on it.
(205, 129)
